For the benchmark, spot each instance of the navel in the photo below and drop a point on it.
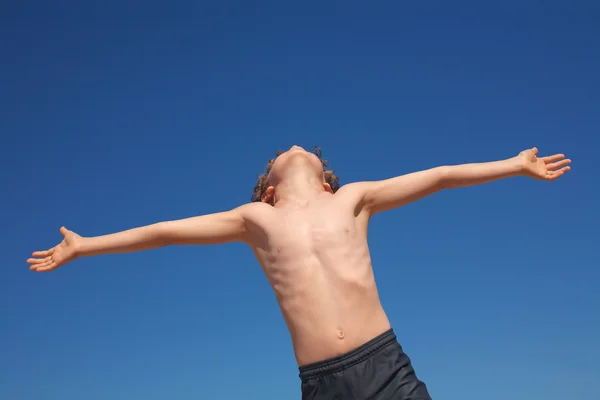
(340, 333)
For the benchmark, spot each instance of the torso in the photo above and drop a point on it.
(317, 261)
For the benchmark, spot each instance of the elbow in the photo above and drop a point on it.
(160, 235)
(444, 177)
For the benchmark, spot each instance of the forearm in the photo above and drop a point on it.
(137, 239)
(479, 173)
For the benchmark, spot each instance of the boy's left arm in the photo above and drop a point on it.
(390, 193)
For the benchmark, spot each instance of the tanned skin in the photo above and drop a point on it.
(312, 244)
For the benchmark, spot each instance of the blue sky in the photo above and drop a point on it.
(116, 115)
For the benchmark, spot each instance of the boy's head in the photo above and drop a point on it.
(297, 161)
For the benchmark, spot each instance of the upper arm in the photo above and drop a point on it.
(222, 227)
(383, 195)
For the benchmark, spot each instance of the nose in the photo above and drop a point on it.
(295, 147)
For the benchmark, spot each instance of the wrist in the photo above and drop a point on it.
(516, 165)
(81, 247)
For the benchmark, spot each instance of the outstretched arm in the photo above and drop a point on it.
(223, 227)
(395, 192)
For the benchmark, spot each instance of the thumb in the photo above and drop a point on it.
(63, 231)
(535, 150)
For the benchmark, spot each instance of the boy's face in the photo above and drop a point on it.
(294, 161)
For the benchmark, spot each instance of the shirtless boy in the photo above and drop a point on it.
(311, 241)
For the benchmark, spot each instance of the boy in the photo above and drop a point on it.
(311, 241)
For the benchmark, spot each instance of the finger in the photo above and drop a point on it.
(63, 230)
(47, 268)
(43, 253)
(41, 265)
(559, 164)
(37, 260)
(40, 268)
(553, 175)
(552, 158)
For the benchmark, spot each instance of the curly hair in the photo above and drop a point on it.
(261, 185)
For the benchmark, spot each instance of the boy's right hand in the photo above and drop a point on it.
(66, 251)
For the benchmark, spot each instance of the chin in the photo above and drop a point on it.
(303, 157)
(297, 159)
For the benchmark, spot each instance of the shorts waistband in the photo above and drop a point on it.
(353, 357)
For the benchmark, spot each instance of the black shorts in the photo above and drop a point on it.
(378, 369)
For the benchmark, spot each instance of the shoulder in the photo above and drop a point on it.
(255, 213)
(353, 189)
(353, 195)
(353, 192)
(256, 217)
(251, 209)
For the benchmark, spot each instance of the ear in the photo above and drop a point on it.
(327, 187)
(267, 196)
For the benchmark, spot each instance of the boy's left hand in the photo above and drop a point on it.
(546, 168)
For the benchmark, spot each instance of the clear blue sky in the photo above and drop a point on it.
(120, 114)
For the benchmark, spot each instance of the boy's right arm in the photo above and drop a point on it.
(217, 228)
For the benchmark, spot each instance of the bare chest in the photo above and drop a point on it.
(310, 230)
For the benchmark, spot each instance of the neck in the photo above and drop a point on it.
(297, 190)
